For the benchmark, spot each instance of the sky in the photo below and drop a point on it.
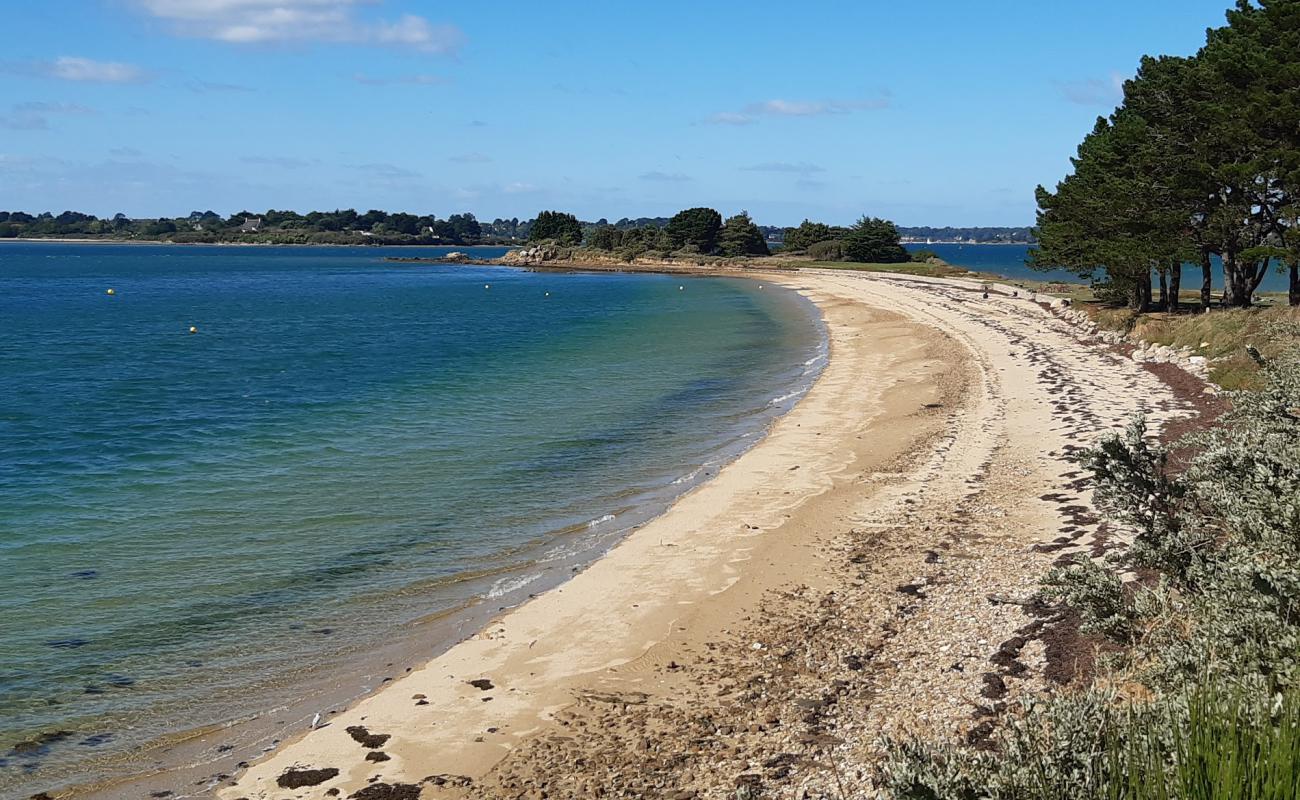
(927, 112)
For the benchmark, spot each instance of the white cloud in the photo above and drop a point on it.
(471, 158)
(1105, 92)
(271, 21)
(731, 118)
(35, 116)
(519, 187)
(282, 162)
(388, 172)
(796, 108)
(665, 177)
(210, 87)
(75, 68)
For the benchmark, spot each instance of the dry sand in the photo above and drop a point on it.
(829, 586)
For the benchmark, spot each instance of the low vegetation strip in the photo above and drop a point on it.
(1198, 695)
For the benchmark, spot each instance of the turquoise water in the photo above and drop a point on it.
(345, 447)
(1008, 260)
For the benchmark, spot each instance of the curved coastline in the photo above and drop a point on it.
(201, 757)
(632, 599)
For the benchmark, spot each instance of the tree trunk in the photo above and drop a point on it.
(1293, 295)
(1207, 280)
(1235, 293)
(1257, 277)
(1164, 289)
(1175, 284)
(1137, 300)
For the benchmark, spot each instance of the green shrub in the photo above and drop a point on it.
(829, 250)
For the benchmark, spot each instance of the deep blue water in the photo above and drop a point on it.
(1008, 260)
(344, 446)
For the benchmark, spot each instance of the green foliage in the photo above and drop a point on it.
(556, 226)
(1097, 593)
(1196, 161)
(922, 256)
(741, 237)
(808, 234)
(605, 237)
(874, 241)
(1216, 641)
(1212, 742)
(829, 250)
(696, 228)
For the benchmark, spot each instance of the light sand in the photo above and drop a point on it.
(938, 426)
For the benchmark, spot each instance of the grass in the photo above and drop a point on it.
(1225, 334)
(1230, 747)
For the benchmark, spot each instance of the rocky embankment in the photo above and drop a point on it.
(1185, 358)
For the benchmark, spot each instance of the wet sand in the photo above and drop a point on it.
(831, 585)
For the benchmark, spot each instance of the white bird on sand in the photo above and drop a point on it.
(315, 721)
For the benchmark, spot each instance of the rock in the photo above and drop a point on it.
(365, 738)
(298, 778)
(387, 791)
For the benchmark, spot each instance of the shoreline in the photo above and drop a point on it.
(672, 568)
(195, 755)
(936, 438)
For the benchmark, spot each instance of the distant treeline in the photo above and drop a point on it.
(702, 231)
(344, 226)
(698, 231)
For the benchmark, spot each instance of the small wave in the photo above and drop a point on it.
(776, 401)
(505, 586)
(688, 477)
(600, 521)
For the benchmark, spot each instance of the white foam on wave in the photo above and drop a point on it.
(505, 586)
(688, 477)
(600, 521)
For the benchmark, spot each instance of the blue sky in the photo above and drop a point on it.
(929, 112)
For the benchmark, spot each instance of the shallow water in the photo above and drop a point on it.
(343, 447)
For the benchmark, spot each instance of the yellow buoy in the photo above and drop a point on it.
(193, 329)
(112, 291)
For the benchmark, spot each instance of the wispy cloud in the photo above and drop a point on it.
(665, 177)
(125, 152)
(400, 80)
(801, 168)
(519, 187)
(796, 108)
(471, 158)
(211, 87)
(75, 68)
(35, 116)
(274, 21)
(390, 172)
(282, 162)
(1105, 92)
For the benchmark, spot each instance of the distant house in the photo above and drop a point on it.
(251, 225)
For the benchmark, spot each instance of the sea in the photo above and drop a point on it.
(229, 471)
(1008, 260)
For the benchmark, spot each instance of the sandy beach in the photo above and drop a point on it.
(855, 574)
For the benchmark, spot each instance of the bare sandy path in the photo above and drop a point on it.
(828, 586)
